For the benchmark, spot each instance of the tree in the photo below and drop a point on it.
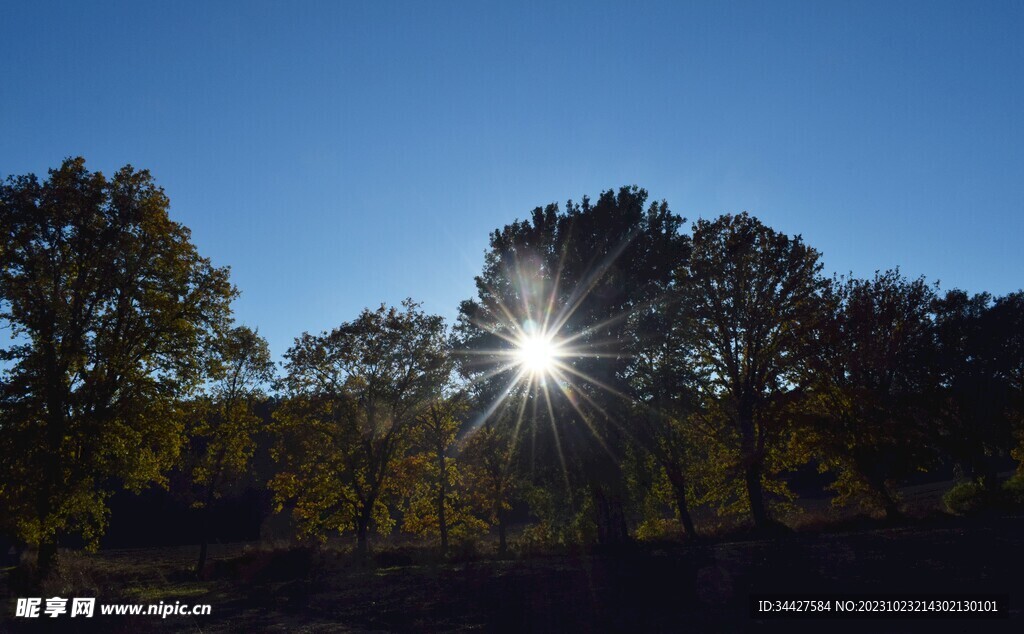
(224, 429)
(869, 378)
(979, 368)
(439, 502)
(666, 384)
(351, 396)
(490, 456)
(1008, 318)
(751, 294)
(111, 309)
(575, 277)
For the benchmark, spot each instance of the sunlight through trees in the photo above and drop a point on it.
(614, 374)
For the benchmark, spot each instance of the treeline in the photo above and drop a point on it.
(613, 373)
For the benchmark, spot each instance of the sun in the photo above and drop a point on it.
(537, 354)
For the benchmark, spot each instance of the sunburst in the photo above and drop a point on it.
(538, 354)
(542, 354)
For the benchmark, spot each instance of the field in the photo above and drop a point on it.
(662, 586)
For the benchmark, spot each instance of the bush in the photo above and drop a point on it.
(658, 529)
(1014, 489)
(536, 539)
(965, 497)
(970, 497)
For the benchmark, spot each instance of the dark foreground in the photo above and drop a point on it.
(665, 587)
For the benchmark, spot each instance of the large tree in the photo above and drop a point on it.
(979, 366)
(351, 396)
(750, 295)
(1008, 317)
(111, 309)
(869, 377)
(572, 280)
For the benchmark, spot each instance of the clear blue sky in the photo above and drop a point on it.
(341, 154)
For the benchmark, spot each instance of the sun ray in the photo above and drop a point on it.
(583, 416)
(553, 295)
(589, 379)
(497, 402)
(493, 372)
(558, 443)
(515, 432)
(587, 285)
(530, 319)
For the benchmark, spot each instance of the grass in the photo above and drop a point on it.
(655, 585)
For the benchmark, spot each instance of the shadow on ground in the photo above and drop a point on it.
(651, 587)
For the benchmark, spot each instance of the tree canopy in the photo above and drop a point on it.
(224, 428)
(612, 369)
(351, 397)
(582, 279)
(751, 294)
(112, 310)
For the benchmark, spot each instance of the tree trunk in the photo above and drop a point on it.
(46, 557)
(876, 480)
(49, 489)
(202, 556)
(755, 493)
(204, 533)
(442, 520)
(752, 465)
(988, 478)
(502, 534)
(611, 518)
(892, 509)
(362, 547)
(679, 489)
(442, 525)
(609, 490)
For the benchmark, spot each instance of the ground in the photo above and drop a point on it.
(665, 586)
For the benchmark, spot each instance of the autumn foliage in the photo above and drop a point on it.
(694, 370)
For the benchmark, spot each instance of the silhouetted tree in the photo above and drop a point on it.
(351, 396)
(666, 384)
(577, 276)
(1007, 318)
(751, 294)
(111, 310)
(870, 383)
(977, 342)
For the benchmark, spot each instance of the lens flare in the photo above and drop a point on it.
(537, 354)
(546, 359)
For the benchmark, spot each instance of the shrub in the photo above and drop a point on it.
(964, 497)
(657, 529)
(1014, 489)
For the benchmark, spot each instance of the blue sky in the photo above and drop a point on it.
(341, 154)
